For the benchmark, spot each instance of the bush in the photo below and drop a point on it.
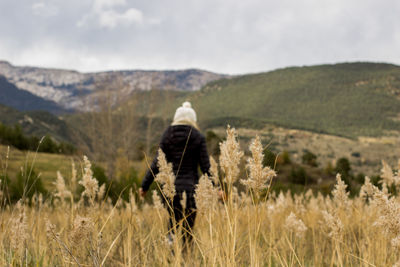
(269, 158)
(118, 186)
(309, 158)
(26, 184)
(298, 176)
(285, 157)
(213, 140)
(360, 178)
(343, 167)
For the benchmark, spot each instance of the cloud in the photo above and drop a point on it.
(44, 9)
(105, 15)
(110, 18)
(101, 4)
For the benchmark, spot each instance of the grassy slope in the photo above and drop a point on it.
(45, 164)
(344, 99)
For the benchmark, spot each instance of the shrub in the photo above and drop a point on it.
(26, 184)
(298, 176)
(285, 157)
(309, 158)
(269, 158)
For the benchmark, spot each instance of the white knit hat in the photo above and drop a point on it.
(185, 115)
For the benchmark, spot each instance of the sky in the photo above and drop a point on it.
(224, 36)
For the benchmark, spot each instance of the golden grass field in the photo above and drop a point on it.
(250, 228)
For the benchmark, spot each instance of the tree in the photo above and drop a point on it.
(343, 167)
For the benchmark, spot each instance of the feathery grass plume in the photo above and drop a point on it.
(132, 202)
(387, 174)
(295, 225)
(73, 176)
(62, 191)
(101, 192)
(259, 175)
(88, 181)
(82, 229)
(214, 171)
(19, 229)
(120, 203)
(53, 238)
(1, 193)
(340, 196)
(335, 225)
(389, 211)
(298, 203)
(157, 200)
(165, 175)
(367, 190)
(230, 156)
(205, 194)
(245, 199)
(388, 221)
(51, 230)
(183, 200)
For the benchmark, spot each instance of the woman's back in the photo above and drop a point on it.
(185, 147)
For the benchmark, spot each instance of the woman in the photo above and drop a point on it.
(185, 147)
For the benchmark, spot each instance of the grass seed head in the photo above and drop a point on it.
(205, 194)
(165, 175)
(157, 200)
(231, 156)
(62, 191)
(340, 195)
(295, 225)
(183, 200)
(214, 171)
(334, 224)
(82, 229)
(259, 175)
(387, 174)
(19, 228)
(88, 181)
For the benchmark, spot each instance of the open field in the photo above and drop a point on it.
(251, 228)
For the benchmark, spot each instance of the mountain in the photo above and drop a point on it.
(74, 90)
(23, 100)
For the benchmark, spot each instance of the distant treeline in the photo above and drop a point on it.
(14, 136)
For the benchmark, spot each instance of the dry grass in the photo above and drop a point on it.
(241, 230)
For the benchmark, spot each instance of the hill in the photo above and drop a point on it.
(38, 123)
(350, 99)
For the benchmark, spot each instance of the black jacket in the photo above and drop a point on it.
(173, 143)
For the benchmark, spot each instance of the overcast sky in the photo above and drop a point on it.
(218, 35)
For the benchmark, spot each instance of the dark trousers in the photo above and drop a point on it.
(184, 217)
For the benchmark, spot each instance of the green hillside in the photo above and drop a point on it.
(349, 99)
(37, 123)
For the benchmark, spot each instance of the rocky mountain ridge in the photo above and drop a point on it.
(71, 89)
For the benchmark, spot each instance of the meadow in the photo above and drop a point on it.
(80, 225)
